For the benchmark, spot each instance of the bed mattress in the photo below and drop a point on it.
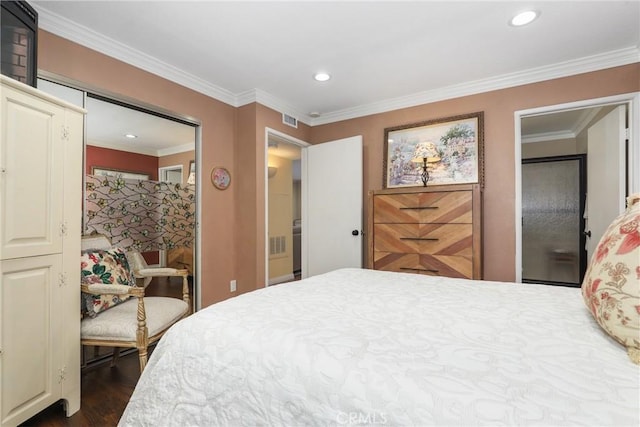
(355, 347)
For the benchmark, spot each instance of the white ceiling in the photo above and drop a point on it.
(108, 123)
(381, 55)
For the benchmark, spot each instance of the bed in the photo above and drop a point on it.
(356, 346)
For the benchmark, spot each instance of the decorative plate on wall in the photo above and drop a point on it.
(220, 178)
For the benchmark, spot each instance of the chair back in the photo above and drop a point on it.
(95, 241)
(137, 262)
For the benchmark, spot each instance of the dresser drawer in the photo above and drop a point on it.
(435, 265)
(440, 239)
(440, 207)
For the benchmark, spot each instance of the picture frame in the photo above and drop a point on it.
(102, 171)
(220, 178)
(455, 144)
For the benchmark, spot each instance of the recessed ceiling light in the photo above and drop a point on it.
(321, 77)
(131, 136)
(524, 18)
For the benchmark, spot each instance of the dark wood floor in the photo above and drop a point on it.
(105, 390)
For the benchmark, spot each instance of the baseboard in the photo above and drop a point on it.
(281, 279)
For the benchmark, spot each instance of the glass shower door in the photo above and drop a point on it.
(552, 220)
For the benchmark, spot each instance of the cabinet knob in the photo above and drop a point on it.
(355, 232)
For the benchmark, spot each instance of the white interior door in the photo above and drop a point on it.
(332, 206)
(605, 174)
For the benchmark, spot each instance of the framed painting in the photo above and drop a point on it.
(100, 171)
(435, 152)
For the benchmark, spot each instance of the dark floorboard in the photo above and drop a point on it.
(105, 390)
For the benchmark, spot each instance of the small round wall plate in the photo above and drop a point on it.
(220, 178)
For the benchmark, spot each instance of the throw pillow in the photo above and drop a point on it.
(108, 267)
(611, 286)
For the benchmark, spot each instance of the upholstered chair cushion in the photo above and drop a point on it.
(119, 323)
(105, 267)
(611, 286)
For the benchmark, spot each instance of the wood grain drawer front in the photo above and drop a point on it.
(435, 265)
(439, 239)
(440, 207)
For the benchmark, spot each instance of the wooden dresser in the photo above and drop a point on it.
(434, 230)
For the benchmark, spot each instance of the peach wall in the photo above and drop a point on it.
(252, 120)
(232, 223)
(68, 59)
(183, 159)
(121, 160)
(499, 107)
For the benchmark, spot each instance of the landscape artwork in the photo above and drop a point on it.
(451, 148)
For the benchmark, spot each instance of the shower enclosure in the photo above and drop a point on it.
(553, 220)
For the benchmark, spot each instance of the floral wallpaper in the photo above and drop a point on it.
(140, 215)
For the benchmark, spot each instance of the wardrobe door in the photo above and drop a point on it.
(31, 168)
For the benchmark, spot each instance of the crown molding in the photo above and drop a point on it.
(176, 150)
(578, 66)
(87, 37)
(84, 36)
(548, 136)
(273, 102)
(132, 148)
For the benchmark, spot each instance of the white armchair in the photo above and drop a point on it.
(139, 321)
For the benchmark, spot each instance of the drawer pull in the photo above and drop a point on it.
(420, 207)
(433, 239)
(428, 270)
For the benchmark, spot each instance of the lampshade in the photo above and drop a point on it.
(425, 150)
(272, 170)
(192, 178)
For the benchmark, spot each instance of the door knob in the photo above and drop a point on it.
(355, 232)
(587, 233)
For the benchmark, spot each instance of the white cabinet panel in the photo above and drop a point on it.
(28, 321)
(32, 175)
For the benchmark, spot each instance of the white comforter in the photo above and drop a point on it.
(368, 347)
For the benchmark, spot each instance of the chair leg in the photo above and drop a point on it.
(116, 356)
(142, 354)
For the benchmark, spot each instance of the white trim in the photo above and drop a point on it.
(611, 59)
(175, 150)
(281, 279)
(143, 150)
(87, 37)
(633, 168)
(170, 168)
(84, 36)
(548, 136)
(302, 144)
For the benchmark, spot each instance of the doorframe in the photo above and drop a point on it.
(170, 168)
(632, 100)
(293, 141)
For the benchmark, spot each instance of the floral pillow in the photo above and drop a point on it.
(107, 267)
(611, 286)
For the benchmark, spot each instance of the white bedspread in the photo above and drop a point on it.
(369, 347)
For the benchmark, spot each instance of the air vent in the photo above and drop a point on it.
(277, 245)
(289, 120)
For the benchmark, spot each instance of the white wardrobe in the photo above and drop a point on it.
(40, 219)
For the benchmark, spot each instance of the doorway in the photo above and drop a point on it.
(283, 222)
(549, 140)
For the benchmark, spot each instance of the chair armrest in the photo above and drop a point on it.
(99, 289)
(160, 272)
